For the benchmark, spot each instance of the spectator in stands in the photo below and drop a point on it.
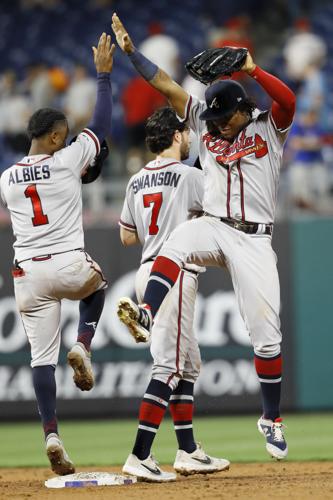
(162, 49)
(234, 33)
(308, 175)
(305, 54)
(14, 114)
(39, 86)
(136, 111)
(80, 98)
(59, 79)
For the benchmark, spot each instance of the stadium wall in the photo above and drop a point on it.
(228, 382)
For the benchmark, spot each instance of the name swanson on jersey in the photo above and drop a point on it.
(29, 174)
(155, 179)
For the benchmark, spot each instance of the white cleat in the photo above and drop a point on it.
(275, 442)
(198, 462)
(138, 319)
(80, 360)
(60, 462)
(147, 470)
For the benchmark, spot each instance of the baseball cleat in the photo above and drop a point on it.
(147, 470)
(138, 319)
(273, 431)
(198, 462)
(59, 460)
(80, 360)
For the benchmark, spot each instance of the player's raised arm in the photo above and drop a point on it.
(149, 71)
(100, 123)
(284, 100)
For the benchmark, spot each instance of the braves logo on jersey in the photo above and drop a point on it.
(227, 153)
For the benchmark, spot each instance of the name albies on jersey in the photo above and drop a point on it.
(160, 196)
(241, 178)
(43, 195)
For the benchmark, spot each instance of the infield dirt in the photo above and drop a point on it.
(277, 480)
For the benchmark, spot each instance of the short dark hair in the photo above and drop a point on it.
(43, 121)
(248, 105)
(160, 129)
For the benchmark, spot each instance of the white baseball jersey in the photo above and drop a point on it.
(241, 178)
(158, 198)
(43, 195)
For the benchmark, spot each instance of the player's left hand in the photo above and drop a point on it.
(249, 65)
(122, 36)
(103, 54)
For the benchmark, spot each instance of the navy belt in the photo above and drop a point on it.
(248, 227)
(40, 258)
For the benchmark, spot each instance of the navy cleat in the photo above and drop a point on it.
(137, 318)
(273, 431)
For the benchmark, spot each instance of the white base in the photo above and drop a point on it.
(82, 479)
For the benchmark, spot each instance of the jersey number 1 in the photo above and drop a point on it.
(156, 200)
(39, 218)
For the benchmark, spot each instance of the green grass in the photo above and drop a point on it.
(103, 443)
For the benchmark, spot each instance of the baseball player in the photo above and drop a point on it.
(160, 196)
(240, 150)
(43, 195)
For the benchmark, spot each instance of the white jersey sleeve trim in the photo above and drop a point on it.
(129, 227)
(281, 130)
(94, 137)
(186, 110)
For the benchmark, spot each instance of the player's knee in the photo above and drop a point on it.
(191, 377)
(267, 350)
(166, 376)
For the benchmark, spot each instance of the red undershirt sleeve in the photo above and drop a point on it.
(284, 99)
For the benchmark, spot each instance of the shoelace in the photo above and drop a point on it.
(277, 431)
(156, 462)
(199, 451)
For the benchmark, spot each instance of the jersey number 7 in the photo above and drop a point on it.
(39, 218)
(156, 200)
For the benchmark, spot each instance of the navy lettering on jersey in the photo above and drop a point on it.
(29, 174)
(156, 179)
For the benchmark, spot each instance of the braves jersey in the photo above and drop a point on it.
(159, 197)
(241, 178)
(43, 195)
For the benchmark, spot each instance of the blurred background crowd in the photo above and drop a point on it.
(46, 60)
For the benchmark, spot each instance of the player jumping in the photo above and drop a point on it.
(160, 196)
(43, 195)
(240, 149)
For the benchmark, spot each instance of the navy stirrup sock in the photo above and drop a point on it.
(163, 276)
(269, 371)
(181, 409)
(43, 378)
(90, 312)
(152, 410)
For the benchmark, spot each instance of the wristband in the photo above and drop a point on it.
(146, 68)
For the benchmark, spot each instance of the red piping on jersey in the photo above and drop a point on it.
(127, 226)
(93, 137)
(29, 164)
(188, 107)
(163, 166)
(228, 193)
(241, 189)
(98, 271)
(179, 317)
